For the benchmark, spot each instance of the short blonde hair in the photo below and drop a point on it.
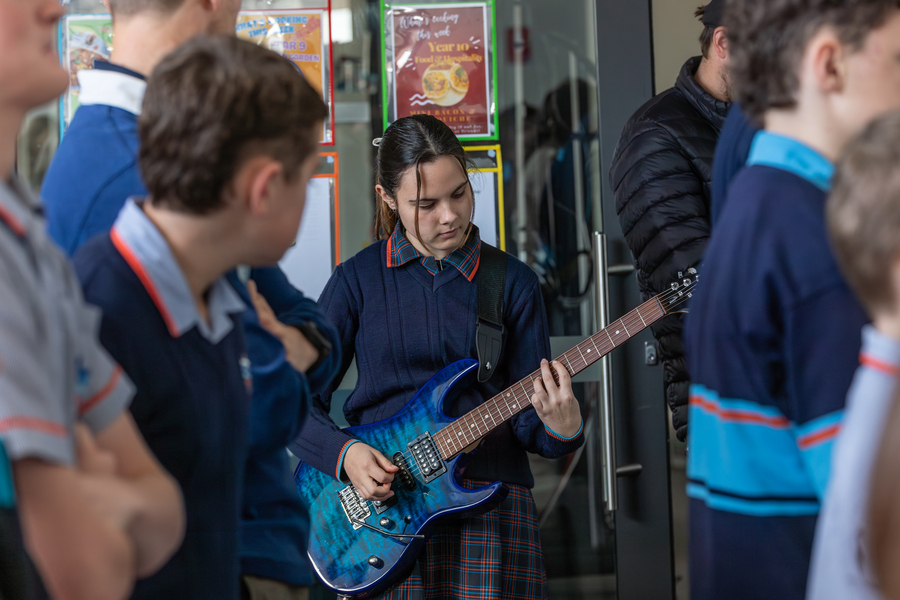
(863, 212)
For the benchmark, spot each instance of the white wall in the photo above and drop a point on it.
(675, 37)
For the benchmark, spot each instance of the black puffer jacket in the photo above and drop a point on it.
(661, 175)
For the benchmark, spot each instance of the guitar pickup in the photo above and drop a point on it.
(428, 459)
(356, 509)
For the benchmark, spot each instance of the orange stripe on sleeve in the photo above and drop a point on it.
(33, 424)
(103, 393)
(878, 365)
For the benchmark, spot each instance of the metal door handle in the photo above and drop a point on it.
(605, 397)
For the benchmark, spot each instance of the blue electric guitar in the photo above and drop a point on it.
(359, 548)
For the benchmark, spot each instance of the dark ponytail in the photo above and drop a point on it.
(409, 142)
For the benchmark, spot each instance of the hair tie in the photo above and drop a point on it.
(376, 142)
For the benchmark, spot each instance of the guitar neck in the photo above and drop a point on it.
(477, 423)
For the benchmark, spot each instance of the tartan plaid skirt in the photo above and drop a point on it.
(494, 556)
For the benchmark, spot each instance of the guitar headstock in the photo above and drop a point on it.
(679, 291)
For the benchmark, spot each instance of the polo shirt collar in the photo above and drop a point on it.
(772, 150)
(17, 206)
(466, 259)
(148, 254)
(112, 85)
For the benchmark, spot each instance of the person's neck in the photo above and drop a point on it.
(10, 122)
(807, 127)
(200, 245)
(709, 76)
(147, 37)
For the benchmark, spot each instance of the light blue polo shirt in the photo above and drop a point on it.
(149, 255)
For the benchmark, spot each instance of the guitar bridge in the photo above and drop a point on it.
(356, 509)
(428, 459)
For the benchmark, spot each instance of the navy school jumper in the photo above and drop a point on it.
(403, 325)
(772, 340)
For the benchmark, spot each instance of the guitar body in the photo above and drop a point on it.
(343, 555)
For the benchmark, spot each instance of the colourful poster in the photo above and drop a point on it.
(299, 35)
(86, 38)
(440, 62)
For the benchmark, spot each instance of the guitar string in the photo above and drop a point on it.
(633, 318)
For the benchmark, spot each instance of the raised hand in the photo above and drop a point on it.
(299, 352)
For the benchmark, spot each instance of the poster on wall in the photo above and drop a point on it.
(440, 61)
(303, 36)
(83, 39)
(316, 252)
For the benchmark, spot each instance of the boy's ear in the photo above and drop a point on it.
(256, 181)
(826, 61)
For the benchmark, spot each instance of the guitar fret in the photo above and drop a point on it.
(610, 338)
(599, 353)
(638, 311)
(582, 354)
(524, 391)
(625, 328)
(566, 356)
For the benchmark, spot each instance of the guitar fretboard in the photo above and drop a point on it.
(477, 423)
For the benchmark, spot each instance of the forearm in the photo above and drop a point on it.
(80, 554)
(157, 528)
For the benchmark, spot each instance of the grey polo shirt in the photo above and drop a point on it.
(53, 370)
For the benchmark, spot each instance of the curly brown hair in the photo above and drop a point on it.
(767, 39)
(213, 103)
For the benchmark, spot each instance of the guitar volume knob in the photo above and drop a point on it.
(376, 562)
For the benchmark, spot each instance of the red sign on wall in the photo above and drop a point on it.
(440, 65)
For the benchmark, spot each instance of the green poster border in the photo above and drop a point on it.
(492, 15)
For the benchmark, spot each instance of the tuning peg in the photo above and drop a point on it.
(680, 274)
(692, 271)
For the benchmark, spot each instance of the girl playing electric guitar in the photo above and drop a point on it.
(406, 307)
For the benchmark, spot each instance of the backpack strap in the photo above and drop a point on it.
(490, 330)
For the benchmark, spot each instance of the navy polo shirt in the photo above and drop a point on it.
(193, 399)
(93, 172)
(772, 341)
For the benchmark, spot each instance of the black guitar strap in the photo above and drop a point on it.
(490, 331)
